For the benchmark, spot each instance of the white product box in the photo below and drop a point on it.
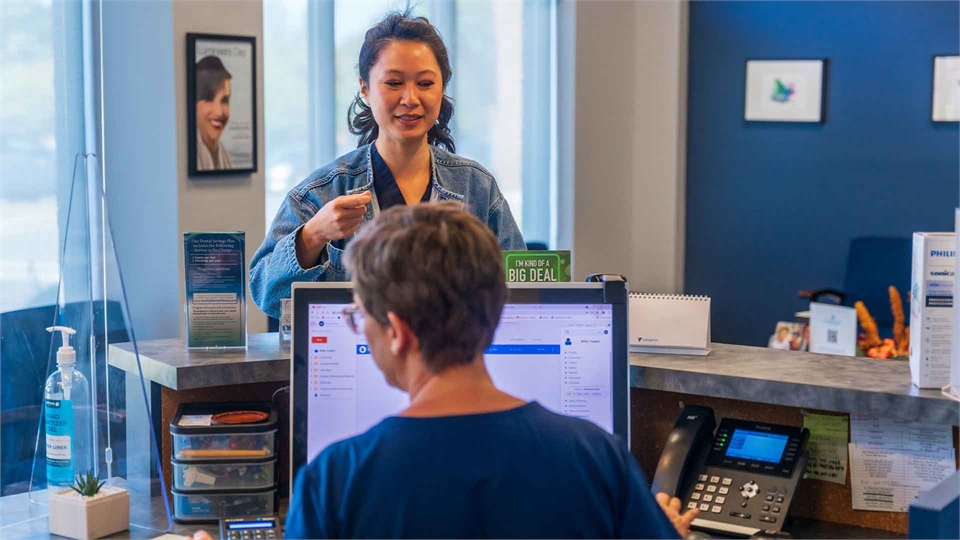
(955, 372)
(931, 308)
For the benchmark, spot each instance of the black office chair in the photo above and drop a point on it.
(873, 265)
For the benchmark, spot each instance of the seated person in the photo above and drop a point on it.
(464, 459)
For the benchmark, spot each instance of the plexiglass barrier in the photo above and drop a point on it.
(68, 412)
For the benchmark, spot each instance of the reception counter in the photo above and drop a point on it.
(781, 387)
(793, 379)
(742, 382)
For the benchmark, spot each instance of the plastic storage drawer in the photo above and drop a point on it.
(223, 475)
(196, 506)
(196, 438)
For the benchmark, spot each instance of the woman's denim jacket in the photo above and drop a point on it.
(274, 267)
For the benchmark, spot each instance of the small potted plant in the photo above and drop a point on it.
(89, 509)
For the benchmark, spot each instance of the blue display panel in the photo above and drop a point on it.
(756, 445)
(237, 526)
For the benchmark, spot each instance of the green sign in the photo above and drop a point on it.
(537, 266)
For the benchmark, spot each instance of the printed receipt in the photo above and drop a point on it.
(827, 447)
(892, 462)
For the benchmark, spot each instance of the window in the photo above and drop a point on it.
(41, 129)
(286, 99)
(503, 86)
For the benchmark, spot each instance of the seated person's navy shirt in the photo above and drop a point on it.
(522, 473)
(385, 185)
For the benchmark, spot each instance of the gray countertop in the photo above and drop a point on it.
(26, 517)
(24, 520)
(795, 379)
(168, 362)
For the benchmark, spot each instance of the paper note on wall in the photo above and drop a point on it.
(891, 462)
(827, 447)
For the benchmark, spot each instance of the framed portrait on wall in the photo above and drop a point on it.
(946, 88)
(221, 104)
(785, 90)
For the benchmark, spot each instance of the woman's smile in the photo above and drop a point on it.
(217, 122)
(409, 120)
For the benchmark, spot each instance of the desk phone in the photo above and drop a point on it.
(742, 478)
(250, 528)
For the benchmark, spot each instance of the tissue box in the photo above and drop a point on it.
(931, 308)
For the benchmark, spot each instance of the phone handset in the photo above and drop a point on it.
(690, 438)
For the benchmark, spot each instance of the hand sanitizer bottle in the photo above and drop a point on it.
(66, 400)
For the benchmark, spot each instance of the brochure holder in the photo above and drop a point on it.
(215, 313)
(114, 420)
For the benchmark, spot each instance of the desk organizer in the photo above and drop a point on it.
(210, 506)
(223, 470)
(196, 437)
(223, 474)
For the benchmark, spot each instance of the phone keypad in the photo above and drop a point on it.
(268, 534)
(709, 495)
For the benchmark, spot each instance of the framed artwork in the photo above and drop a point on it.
(946, 88)
(221, 104)
(785, 90)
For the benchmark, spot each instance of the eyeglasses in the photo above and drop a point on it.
(354, 318)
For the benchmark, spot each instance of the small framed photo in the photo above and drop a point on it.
(946, 88)
(785, 90)
(221, 104)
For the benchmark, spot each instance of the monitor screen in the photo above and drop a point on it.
(757, 445)
(557, 354)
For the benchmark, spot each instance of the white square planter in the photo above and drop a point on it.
(86, 518)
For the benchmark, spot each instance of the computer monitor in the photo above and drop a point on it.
(561, 344)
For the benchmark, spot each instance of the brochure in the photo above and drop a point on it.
(215, 279)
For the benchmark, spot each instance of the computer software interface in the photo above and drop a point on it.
(559, 355)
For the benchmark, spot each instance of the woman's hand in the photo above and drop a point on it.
(337, 219)
(671, 507)
(201, 535)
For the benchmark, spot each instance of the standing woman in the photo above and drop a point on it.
(405, 155)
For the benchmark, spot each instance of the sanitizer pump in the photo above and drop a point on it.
(66, 400)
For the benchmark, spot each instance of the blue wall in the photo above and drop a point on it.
(771, 208)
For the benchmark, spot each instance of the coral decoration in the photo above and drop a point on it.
(903, 347)
(885, 350)
(870, 337)
(870, 341)
(899, 330)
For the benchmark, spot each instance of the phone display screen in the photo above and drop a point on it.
(247, 525)
(757, 445)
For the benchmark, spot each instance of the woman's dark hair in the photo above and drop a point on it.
(399, 26)
(211, 75)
